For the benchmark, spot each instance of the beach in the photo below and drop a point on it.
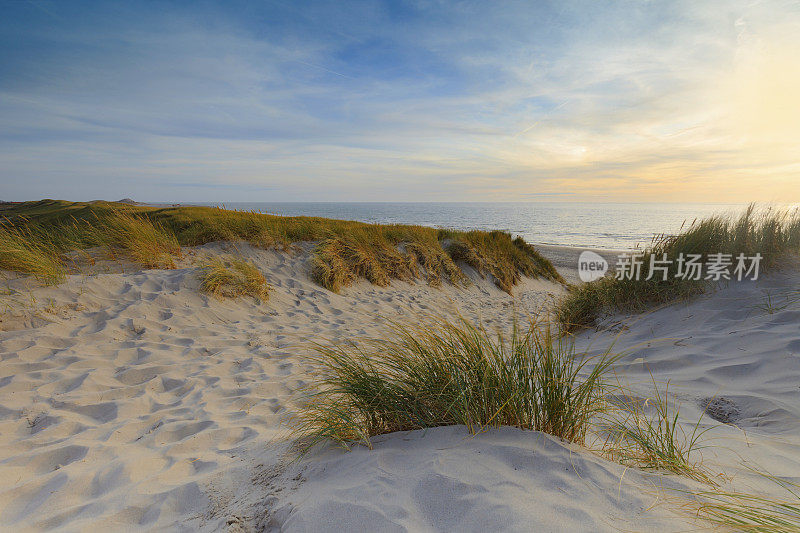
(423, 267)
(130, 400)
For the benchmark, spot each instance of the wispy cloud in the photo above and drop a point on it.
(429, 100)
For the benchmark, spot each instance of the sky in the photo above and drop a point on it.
(673, 101)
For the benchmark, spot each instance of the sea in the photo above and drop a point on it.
(612, 226)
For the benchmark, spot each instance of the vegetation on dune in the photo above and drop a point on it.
(36, 247)
(770, 233)
(646, 434)
(745, 511)
(22, 250)
(446, 373)
(380, 254)
(442, 373)
(232, 278)
(346, 250)
(144, 241)
(497, 253)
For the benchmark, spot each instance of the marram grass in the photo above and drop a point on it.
(23, 251)
(770, 232)
(144, 241)
(446, 373)
(232, 278)
(747, 511)
(647, 434)
(496, 253)
(345, 252)
(39, 250)
(442, 373)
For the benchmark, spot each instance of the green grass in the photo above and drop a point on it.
(646, 434)
(232, 278)
(743, 511)
(773, 303)
(444, 373)
(143, 241)
(23, 251)
(769, 232)
(346, 251)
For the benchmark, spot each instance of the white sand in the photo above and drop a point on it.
(130, 401)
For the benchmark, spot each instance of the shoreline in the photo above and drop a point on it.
(565, 258)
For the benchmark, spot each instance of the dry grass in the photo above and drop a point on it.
(144, 241)
(768, 232)
(507, 259)
(22, 250)
(232, 278)
(346, 251)
(740, 511)
(32, 247)
(445, 373)
(750, 512)
(646, 434)
(380, 254)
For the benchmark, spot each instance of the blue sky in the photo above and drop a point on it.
(407, 101)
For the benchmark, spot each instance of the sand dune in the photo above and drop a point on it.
(133, 390)
(129, 400)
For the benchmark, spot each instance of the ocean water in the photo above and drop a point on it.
(596, 225)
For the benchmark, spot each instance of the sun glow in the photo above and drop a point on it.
(765, 97)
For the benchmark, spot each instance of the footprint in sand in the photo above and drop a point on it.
(721, 409)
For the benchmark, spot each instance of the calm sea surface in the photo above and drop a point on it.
(597, 225)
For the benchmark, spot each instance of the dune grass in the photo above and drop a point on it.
(380, 254)
(346, 251)
(442, 373)
(446, 373)
(743, 511)
(646, 434)
(21, 250)
(496, 253)
(771, 233)
(142, 240)
(232, 278)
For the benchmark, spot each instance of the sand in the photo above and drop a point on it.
(131, 401)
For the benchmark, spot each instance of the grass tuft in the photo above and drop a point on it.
(23, 250)
(647, 435)
(232, 278)
(446, 373)
(507, 259)
(770, 232)
(742, 511)
(146, 242)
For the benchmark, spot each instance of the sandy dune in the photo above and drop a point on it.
(133, 390)
(131, 401)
